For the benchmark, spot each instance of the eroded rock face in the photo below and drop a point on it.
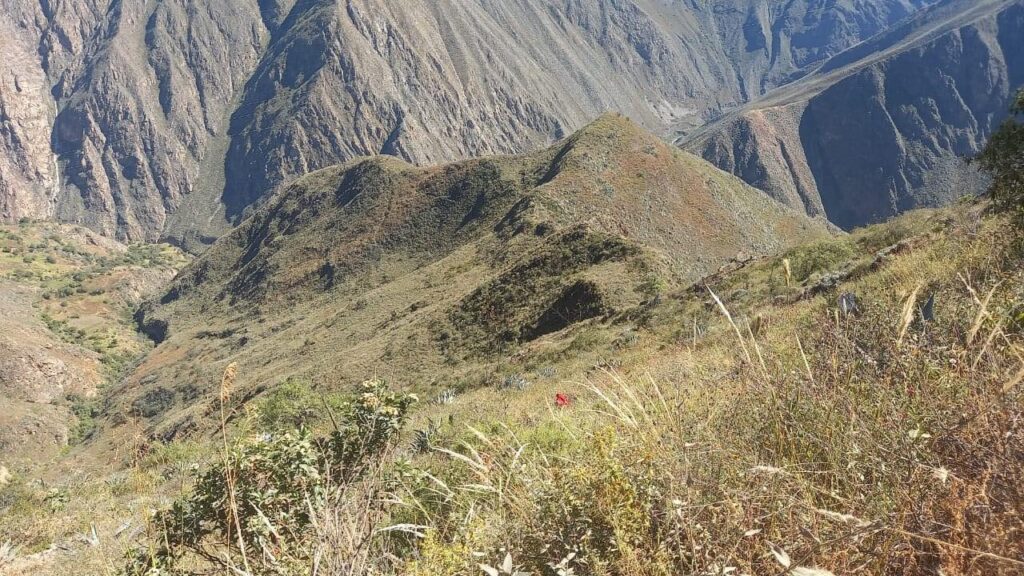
(771, 43)
(888, 133)
(108, 107)
(43, 46)
(169, 118)
(134, 133)
(28, 168)
(763, 147)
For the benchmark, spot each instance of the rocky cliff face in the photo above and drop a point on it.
(885, 129)
(170, 117)
(772, 43)
(109, 107)
(28, 168)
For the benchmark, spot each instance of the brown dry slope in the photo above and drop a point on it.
(37, 371)
(431, 277)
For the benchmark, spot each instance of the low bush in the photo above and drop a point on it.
(154, 402)
(823, 256)
(255, 509)
(295, 404)
(85, 411)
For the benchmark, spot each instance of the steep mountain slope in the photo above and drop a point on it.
(66, 296)
(884, 127)
(114, 103)
(429, 276)
(170, 117)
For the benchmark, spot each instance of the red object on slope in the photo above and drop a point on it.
(562, 400)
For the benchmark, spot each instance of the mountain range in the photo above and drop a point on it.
(885, 126)
(169, 119)
(393, 162)
(583, 286)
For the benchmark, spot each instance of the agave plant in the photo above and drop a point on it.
(422, 439)
(514, 382)
(8, 552)
(507, 568)
(547, 372)
(445, 397)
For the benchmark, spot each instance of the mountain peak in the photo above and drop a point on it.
(613, 127)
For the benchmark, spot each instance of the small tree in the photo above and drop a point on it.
(1003, 158)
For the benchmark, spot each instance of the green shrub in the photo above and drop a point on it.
(63, 329)
(85, 410)
(256, 505)
(57, 499)
(154, 402)
(172, 454)
(294, 404)
(818, 257)
(1003, 158)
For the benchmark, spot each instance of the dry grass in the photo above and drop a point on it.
(872, 444)
(779, 437)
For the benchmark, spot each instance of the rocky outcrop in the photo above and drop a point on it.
(887, 131)
(29, 175)
(170, 117)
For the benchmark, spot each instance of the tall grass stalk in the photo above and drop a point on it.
(227, 382)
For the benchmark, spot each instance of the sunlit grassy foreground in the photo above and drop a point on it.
(799, 440)
(748, 427)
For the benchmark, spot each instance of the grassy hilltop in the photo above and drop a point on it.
(448, 277)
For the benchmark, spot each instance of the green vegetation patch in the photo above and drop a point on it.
(295, 404)
(260, 502)
(539, 294)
